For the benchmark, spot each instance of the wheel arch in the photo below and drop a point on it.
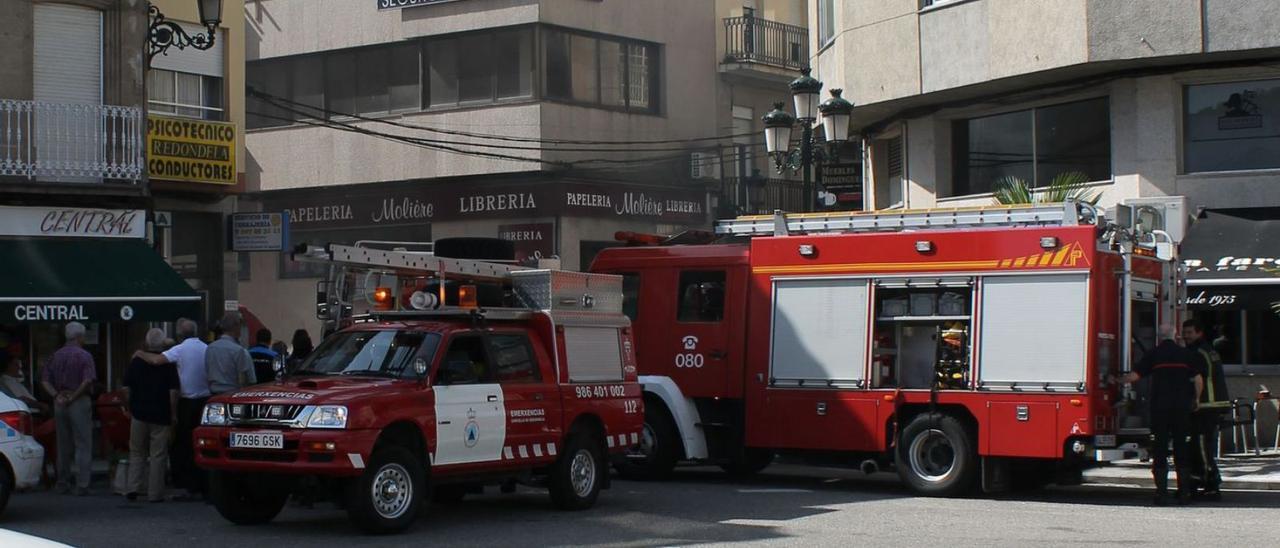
(407, 434)
(682, 411)
(908, 412)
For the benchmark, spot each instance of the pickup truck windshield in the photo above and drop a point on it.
(372, 353)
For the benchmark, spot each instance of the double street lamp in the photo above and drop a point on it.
(778, 125)
(163, 34)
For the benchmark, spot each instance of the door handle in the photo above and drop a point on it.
(538, 396)
(446, 422)
(493, 397)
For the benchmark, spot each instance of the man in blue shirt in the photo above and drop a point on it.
(264, 358)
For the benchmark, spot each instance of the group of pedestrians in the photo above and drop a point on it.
(1188, 399)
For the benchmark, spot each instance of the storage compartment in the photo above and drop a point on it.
(570, 291)
(923, 304)
(952, 304)
(897, 306)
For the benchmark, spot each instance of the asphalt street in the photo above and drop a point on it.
(787, 506)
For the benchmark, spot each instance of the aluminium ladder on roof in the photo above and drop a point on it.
(781, 224)
(410, 261)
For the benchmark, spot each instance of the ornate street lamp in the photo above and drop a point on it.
(163, 33)
(778, 125)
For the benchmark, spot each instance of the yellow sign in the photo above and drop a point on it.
(186, 149)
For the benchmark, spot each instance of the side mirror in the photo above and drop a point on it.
(322, 300)
(1164, 251)
(420, 366)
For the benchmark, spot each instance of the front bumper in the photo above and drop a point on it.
(305, 451)
(27, 458)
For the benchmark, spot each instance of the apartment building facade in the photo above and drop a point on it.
(1145, 98)
(551, 123)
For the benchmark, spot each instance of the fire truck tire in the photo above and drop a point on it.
(246, 499)
(660, 446)
(751, 461)
(936, 456)
(577, 477)
(387, 497)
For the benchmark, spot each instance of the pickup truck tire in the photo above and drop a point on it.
(387, 497)
(660, 447)
(576, 478)
(246, 499)
(936, 456)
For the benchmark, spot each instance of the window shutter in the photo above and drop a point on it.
(68, 54)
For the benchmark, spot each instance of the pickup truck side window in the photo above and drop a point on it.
(513, 360)
(464, 363)
(701, 296)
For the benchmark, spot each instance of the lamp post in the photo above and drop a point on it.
(778, 125)
(163, 34)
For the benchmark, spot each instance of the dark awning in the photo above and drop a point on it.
(1234, 247)
(102, 280)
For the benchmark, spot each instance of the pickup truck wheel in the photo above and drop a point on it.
(659, 448)
(577, 476)
(386, 498)
(246, 499)
(936, 456)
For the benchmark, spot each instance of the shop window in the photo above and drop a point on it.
(1225, 330)
(1232, 126)
(1034, 145)
(513, 359)
(922, 334)
(1261, 329)
(701, 296)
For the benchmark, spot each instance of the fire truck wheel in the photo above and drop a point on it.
(576, 478)
(246, 499)
(659, 448)
(386, 498)
(936, 456)
(751, 461)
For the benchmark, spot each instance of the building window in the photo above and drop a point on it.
(185, 94)
(826, 21)
(602, 71)
(1034, 145)
(1233, 126)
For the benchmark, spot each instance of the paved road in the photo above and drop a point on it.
(786, 507)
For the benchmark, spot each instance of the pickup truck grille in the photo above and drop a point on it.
(264, 412)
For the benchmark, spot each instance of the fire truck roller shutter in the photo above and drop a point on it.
(819, 332)
(1033, 331)
(593, 354)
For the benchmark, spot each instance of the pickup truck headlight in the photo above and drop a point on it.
(328, 416)
(215, 414)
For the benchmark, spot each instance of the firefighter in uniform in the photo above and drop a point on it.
(1177, 378)
(1207, 419)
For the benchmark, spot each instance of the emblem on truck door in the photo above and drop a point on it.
(472, 432)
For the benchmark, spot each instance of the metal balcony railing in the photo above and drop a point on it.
(758, 195)
(750, 39)
(70, 142)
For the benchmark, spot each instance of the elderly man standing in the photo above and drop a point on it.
(152, 393)
(67, 377)
(228, 364)
(188, 355)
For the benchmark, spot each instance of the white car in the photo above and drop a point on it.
(21, 456)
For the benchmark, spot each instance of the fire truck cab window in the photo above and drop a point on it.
(631, 295)
(922, 334)
(701, 296)
(513, 359)
(464, 363)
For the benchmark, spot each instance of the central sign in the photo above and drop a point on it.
(76, 222)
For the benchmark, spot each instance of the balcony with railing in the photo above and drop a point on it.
(752, 41)
(759, 195)
(70, 142)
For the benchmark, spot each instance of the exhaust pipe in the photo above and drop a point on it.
(869, 467)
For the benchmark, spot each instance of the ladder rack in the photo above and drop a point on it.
(781, 224)
(408, 261)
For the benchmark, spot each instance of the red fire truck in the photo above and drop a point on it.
(449, 374)
(956, 344)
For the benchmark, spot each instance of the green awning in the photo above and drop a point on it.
(100, 280)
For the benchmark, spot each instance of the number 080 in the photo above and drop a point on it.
(689, 360)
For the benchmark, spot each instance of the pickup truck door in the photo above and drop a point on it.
(471, 424)
(530, 395)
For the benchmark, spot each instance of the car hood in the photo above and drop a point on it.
(311, 390)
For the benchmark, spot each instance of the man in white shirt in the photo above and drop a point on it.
(188, 356)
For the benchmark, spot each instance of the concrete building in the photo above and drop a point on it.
(195, 181)
(74, 197)
(554, 123)
(1146, 98)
